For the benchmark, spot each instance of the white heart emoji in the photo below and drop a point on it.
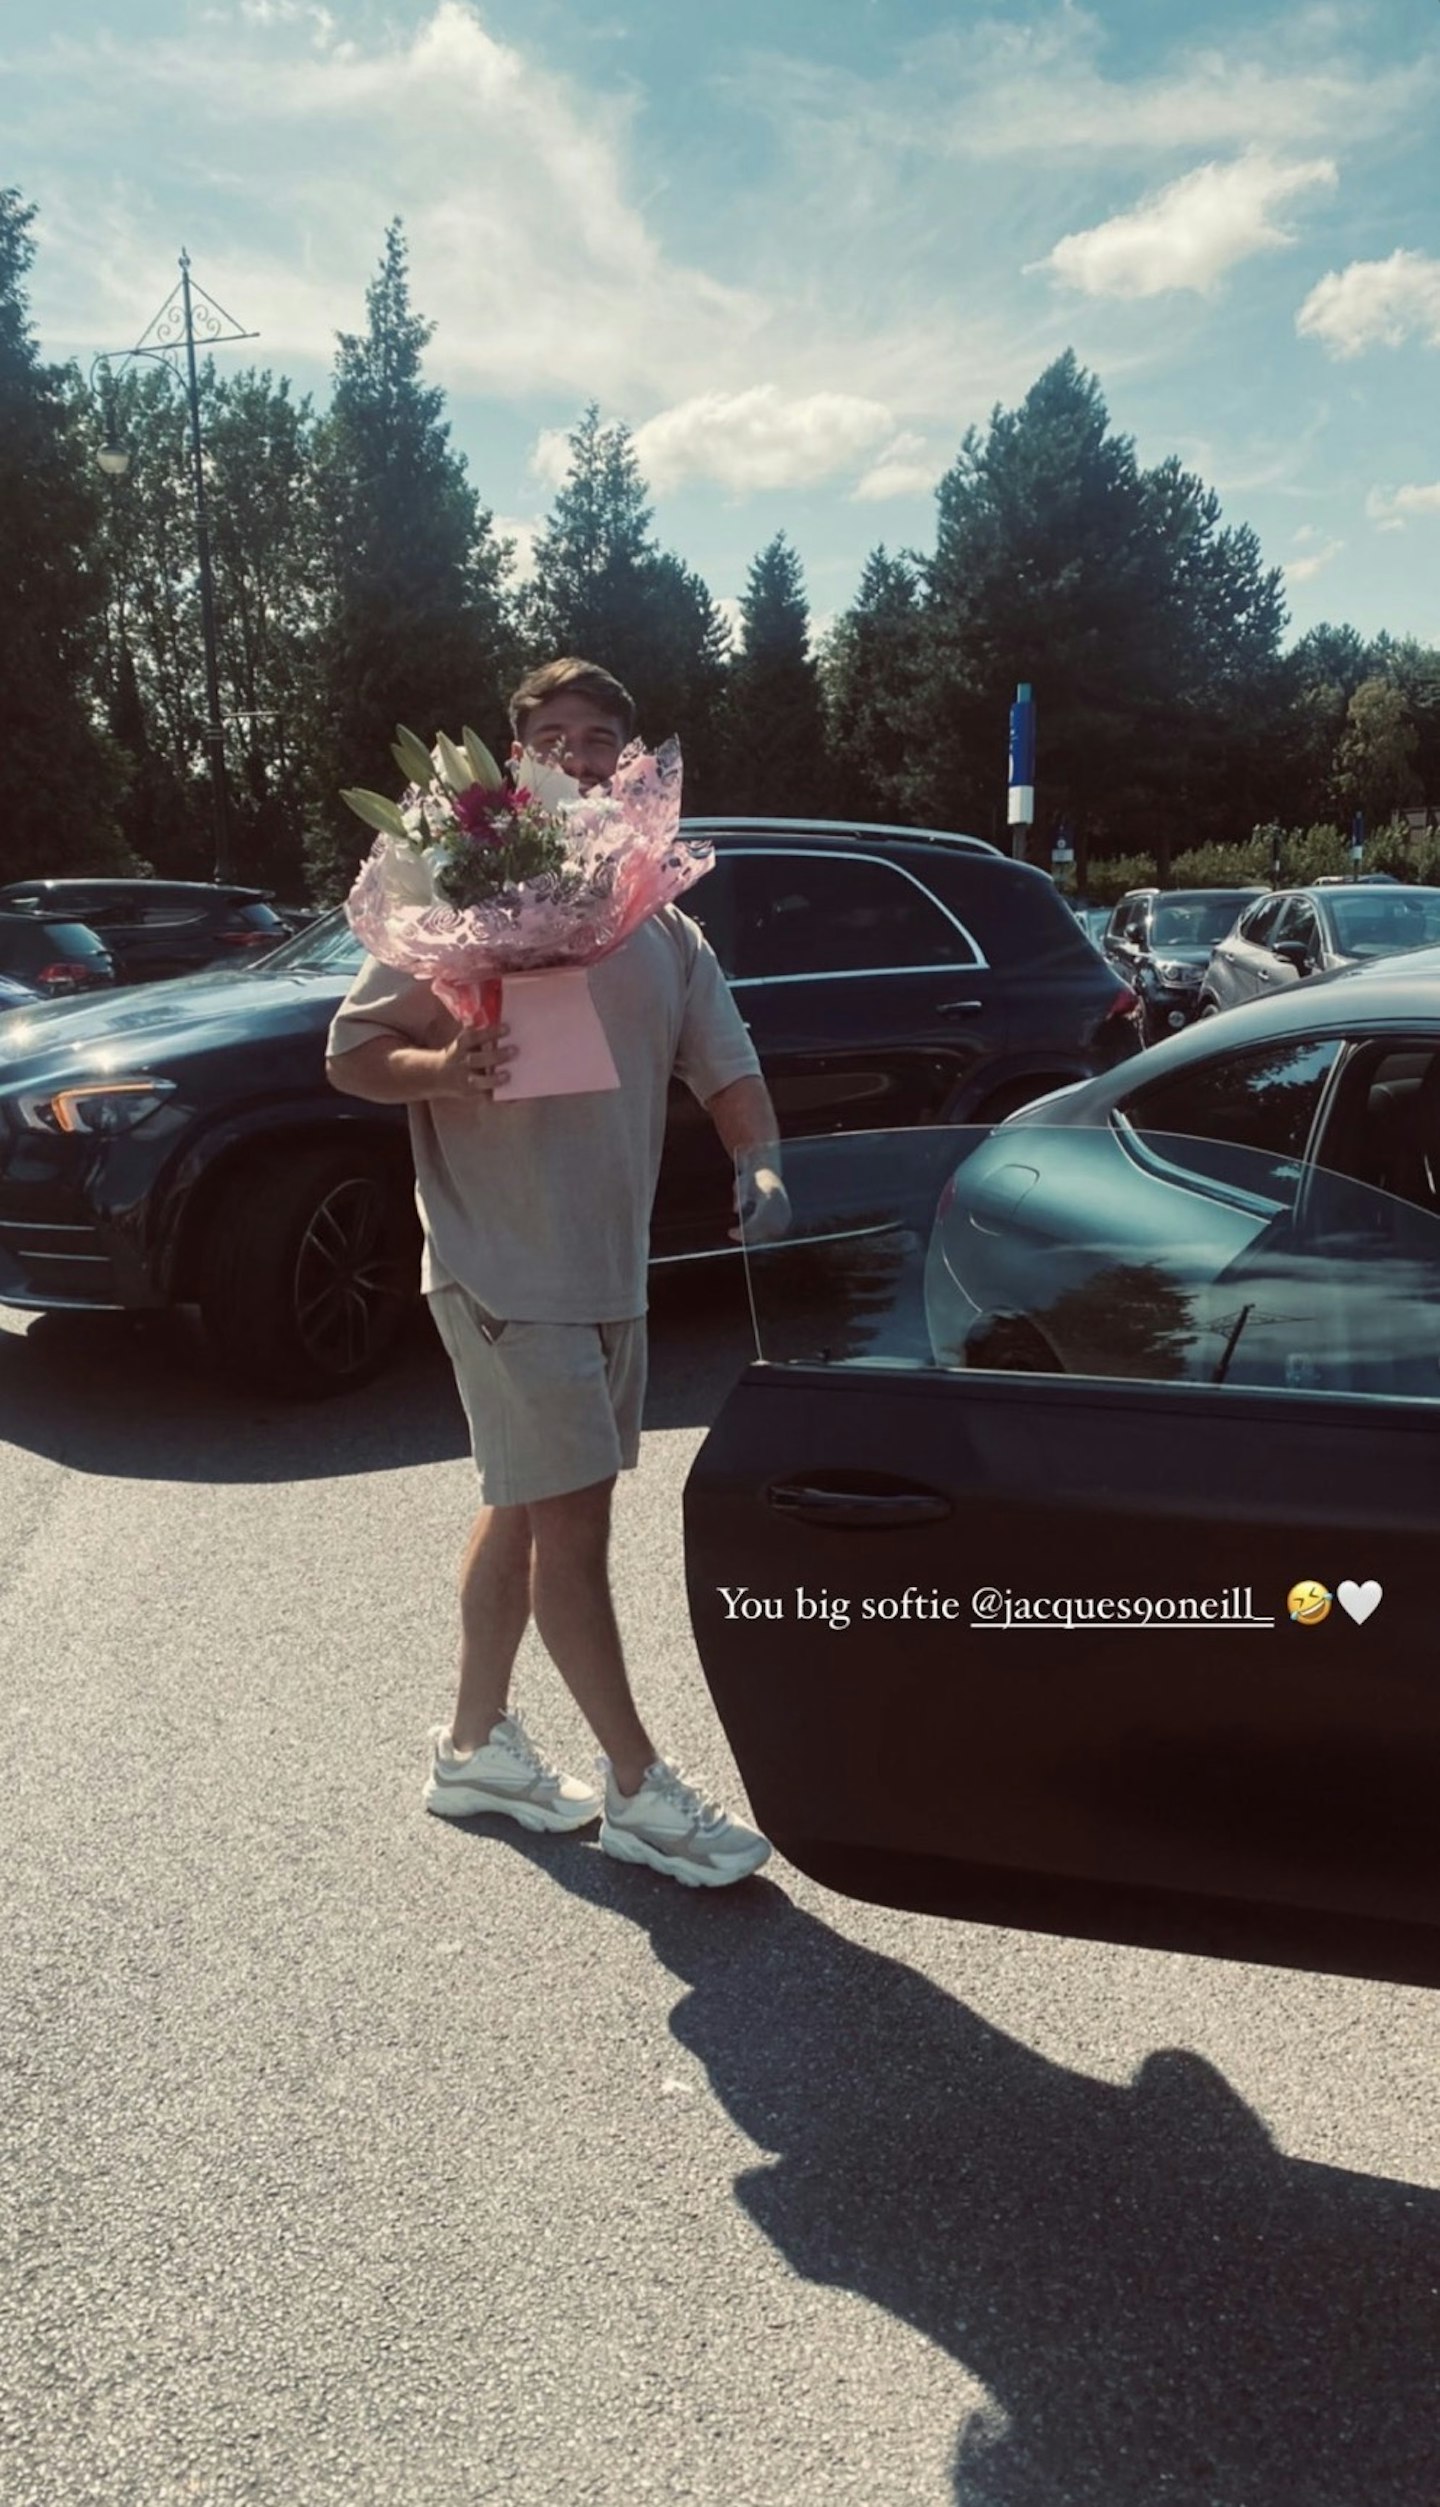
(1359, 1599)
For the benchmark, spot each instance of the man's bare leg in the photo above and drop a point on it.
(494, 1608)
(570, 1596)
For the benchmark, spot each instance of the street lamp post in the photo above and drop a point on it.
(174, 328)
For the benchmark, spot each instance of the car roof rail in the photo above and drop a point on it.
(855, 828)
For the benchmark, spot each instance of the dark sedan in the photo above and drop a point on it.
(1161, 942)
(1098, 1458)
(52, 956)
(183, 1145)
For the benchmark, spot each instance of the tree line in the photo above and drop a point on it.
(360, 581)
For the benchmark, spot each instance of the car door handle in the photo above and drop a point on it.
(857, 1510)
(958, 1009)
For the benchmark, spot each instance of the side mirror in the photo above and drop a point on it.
(1294, 953)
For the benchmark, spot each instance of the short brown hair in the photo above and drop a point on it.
(569, 676)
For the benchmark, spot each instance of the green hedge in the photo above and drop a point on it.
(1306, 853)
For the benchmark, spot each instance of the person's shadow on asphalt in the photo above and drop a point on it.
(1165, 2310)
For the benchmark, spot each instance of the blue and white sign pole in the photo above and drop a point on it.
(1021, 812)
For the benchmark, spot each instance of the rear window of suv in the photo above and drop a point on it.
(819, 913)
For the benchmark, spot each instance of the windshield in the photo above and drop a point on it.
(1375, 924)
(328, 946)
(1193, 922)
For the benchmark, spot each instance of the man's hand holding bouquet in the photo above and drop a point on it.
(479, 886)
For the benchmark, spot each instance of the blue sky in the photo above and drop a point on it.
(797, 245)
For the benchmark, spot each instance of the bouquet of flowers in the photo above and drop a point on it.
(472, 880)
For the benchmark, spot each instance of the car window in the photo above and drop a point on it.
(325, 946)
(1262, 1104)
(1383, 1128)
(253, 918)
(1258, 924)
(1373, 923)
(1043, 1251)
(1299, 924)
(1192, 922)
(711, 904)
(825, 914)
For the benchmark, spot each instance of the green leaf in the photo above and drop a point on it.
(377, 812)
(482, 764)
(412, 757)
(455, 766)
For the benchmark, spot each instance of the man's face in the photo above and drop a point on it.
(570, 732)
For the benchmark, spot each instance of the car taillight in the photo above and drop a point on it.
(249, 939)
(69, 971)
(1124, 1003)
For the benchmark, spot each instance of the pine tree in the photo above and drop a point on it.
(605, 590)
(415, 626)
(1150, 633)
(777, 757)
(871, 670)
(63, 774)
(266, 553)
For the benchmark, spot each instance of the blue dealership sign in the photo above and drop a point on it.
(1022, 757)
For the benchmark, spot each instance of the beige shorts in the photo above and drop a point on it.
(552, 1406)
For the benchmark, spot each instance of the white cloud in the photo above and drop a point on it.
(760, 438)
(522, 534)
(1304, 569)
(526, 241)
(1393, 507)
(1191, 233)
(1041, 91)
(1375, 304)
(905, 468)
(550, 457)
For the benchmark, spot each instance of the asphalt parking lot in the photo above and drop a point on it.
(351, 2157)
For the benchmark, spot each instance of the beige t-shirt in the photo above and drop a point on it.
(541, 1207)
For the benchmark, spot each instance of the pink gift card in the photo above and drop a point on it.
(560, 1047)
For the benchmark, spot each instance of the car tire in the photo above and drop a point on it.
(311, 1271)
(1207, 1009)
(1010, 1344)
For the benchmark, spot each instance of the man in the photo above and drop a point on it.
(536, 1218)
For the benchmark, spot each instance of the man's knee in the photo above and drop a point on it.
(579, 1520)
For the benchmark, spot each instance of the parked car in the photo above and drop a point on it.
(1161, 940)
(1299, 932)
(158, 927)
(183, 1145)
(52, 956)
(14, 995)
(1125, 1524)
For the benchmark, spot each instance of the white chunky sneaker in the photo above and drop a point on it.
(507, 1773)
(667, 1825)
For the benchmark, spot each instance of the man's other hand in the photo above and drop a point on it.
(762, 1206)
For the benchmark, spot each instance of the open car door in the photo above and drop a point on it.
(1145, 1654)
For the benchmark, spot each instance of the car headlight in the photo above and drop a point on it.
(96, 1109)
(1173, 971)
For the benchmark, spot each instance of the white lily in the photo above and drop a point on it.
(549, 785)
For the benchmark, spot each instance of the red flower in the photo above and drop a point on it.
(483, 813)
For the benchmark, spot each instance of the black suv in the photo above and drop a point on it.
(1160, 940)
(185, 1146)
(157, 927)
